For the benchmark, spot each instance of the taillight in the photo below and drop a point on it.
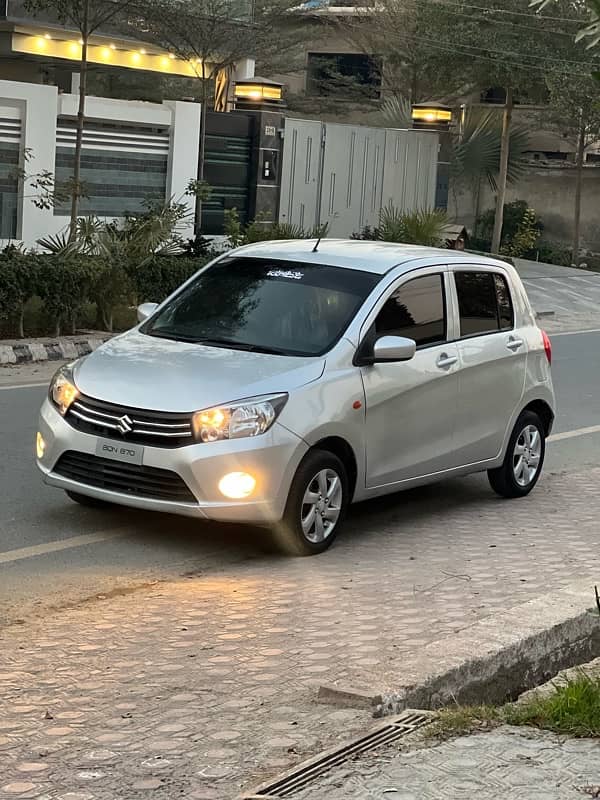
(547, 346)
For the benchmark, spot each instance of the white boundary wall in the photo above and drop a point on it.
(36, 109)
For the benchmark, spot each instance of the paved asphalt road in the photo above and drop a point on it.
(76, 553)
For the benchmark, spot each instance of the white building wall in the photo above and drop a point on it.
(38, 108)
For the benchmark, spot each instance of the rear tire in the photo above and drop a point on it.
(524, 458)
(85, 500)
(316, 505)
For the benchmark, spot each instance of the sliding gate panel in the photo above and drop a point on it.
(352, 178)
(300, 175)
(410, 171)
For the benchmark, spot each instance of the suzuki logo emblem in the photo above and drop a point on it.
(125, 425)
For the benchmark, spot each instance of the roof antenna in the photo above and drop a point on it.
(318, 242)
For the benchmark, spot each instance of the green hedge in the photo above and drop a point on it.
(65, 286)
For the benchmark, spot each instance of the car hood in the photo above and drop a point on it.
(142, 371)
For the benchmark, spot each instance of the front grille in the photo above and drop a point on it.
(118, 476)
(154, 428)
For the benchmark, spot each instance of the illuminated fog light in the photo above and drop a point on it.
(237, 485)
(40, 445)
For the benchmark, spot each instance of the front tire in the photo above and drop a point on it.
(524, 458)
(316, 505)
(85, 500)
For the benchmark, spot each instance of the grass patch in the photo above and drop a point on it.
(461, 720)
(573, 709)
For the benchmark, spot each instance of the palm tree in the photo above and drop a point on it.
(475, 151)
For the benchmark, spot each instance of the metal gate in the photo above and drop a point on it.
(410, 175)
(343, 175)
(227, 168)
(301, 173)
(352, 178)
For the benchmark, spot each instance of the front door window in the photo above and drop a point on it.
(416, 310)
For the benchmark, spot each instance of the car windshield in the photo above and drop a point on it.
(262, 305)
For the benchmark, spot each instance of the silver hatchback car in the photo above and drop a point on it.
(286, 380)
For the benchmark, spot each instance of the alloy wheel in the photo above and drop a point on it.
(321, 505)
(527, 455)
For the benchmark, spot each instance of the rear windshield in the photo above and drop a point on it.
(261, 305)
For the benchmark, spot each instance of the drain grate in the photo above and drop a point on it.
(405, 723)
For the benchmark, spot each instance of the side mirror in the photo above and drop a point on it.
(389, 349)
(146, 310)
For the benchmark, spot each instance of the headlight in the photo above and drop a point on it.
(63, 391)
(238, 420)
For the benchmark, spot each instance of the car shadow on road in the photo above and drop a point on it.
(199, 543)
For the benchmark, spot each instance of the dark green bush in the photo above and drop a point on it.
(367, 234)
(515, 217)
(19, 282)
(159, 277)
(479, 244)
(553, 254)
(68, 286)
(64, 286)
(263, 229)
(425, 226)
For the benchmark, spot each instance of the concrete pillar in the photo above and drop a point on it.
(244, 69)
(38, 110)
(266, 164)
(183, 160)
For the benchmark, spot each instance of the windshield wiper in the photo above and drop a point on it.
(250, 348)
(175, 337)
(230, 343)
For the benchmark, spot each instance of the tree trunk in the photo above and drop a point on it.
(76, 188)
(21, 321)
(201, 152)
(414, 86)
(503, 171)
(477, 203)
(578, 187)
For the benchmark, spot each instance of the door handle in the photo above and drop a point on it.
(444, 360)
(514, 344)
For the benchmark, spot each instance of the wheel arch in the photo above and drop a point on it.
(544, 412)
(341, 448)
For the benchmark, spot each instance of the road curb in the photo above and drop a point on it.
(493, 661)
(27, 352)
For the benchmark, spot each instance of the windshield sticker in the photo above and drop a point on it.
(285, 273)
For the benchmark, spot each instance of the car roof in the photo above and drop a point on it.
(366, 256)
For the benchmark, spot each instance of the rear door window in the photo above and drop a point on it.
(484, 303)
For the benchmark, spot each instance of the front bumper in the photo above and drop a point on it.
(272, 458)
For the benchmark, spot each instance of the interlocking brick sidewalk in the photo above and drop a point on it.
(202, 686)
(515, 763)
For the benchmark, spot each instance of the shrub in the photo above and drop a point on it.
(65, 285)
(18, 284)
(425, 227)
(524, 238)
(480, 245)
(262, 230)
(553, 254)
(515, 214)
(158, 278)
(367, 234)
(68, 287)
